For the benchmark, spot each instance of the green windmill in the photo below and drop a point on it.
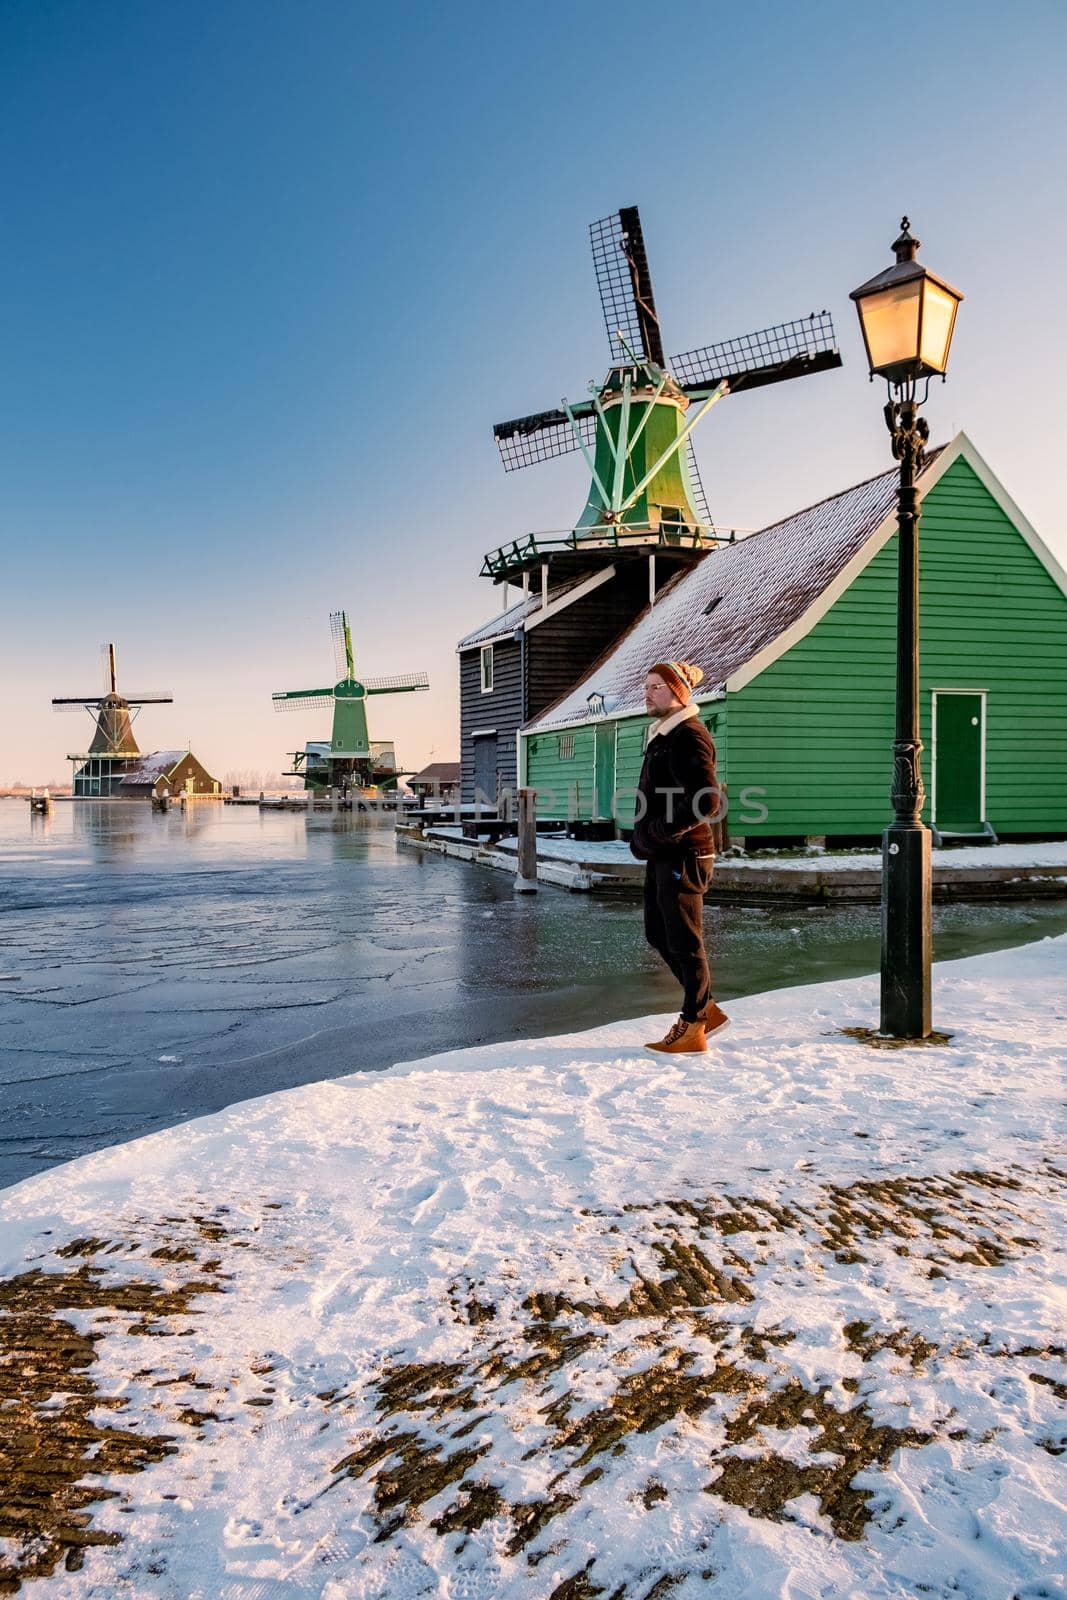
(350, 759)
(635, 429)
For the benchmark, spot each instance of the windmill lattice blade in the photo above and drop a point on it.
(787, 350)
(158, 697)
(403, 680)
(337, 634)
(542, 436)
(700, 499)
(622, 276)
(303, 700)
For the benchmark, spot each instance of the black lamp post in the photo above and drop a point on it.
(907, 315)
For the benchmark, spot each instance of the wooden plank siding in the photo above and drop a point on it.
(561, 650)
(815, 729)
(558, 652)
(501, 709)
(566, 786)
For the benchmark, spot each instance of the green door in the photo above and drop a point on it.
(604, 772)
(958, 761)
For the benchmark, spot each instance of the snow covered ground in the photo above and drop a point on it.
(1048, 853)
(562, 1318)
(609, 853)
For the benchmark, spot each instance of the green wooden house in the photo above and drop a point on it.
(795, 628)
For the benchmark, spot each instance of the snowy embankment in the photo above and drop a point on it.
(588, 864)
(561, 1318)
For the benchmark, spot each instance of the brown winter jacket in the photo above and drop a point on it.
(678, 798)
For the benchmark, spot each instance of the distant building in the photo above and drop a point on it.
(439, 781)
(171, 772)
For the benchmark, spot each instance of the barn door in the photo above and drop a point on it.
(485, 769)
(959, 748)
(604, 770)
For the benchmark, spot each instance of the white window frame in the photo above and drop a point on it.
(486, 656)
(984, 696)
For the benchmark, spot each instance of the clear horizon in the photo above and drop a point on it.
(274, 272)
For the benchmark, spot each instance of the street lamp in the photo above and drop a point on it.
(907, 315)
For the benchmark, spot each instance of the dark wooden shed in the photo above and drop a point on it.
(173, 772)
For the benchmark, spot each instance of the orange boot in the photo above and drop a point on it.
(714, 1019)
(682, 1039)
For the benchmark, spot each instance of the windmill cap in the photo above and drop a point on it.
(680, 676)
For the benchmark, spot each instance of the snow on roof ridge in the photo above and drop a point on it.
(864, 483)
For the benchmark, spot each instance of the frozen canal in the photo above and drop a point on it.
(155, 968)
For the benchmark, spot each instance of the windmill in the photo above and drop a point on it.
(635, 430)
(351, 759)
(113, 751)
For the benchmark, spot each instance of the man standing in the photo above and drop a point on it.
(677, 794)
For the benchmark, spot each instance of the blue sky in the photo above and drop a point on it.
(273, 270)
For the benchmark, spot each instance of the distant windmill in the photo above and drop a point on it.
(351, 759)
(635, 430)
(113, 751)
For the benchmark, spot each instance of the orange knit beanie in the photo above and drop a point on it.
(681, 677)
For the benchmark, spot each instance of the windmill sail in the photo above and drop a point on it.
(397, 684)
(545, 434)
(342, 644)
(302, 699)
(786, 350)
(625, 284)
(700, 499)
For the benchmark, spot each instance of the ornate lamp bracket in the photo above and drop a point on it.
(908, 431)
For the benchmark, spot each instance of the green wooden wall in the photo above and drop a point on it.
(815, 730)
(564, 785)
(571, 780)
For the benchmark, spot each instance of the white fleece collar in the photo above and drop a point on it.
(665, 724)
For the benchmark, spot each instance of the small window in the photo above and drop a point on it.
(566, 747)
(487, 669)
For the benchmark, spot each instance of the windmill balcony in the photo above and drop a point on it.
(572, 552)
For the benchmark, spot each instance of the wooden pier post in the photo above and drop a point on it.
(526, 876)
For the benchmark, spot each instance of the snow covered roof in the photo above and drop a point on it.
(437, 772)
(160, 764)
(736, 602)
(506, 623)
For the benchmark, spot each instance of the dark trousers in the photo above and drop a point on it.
(674, 927)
